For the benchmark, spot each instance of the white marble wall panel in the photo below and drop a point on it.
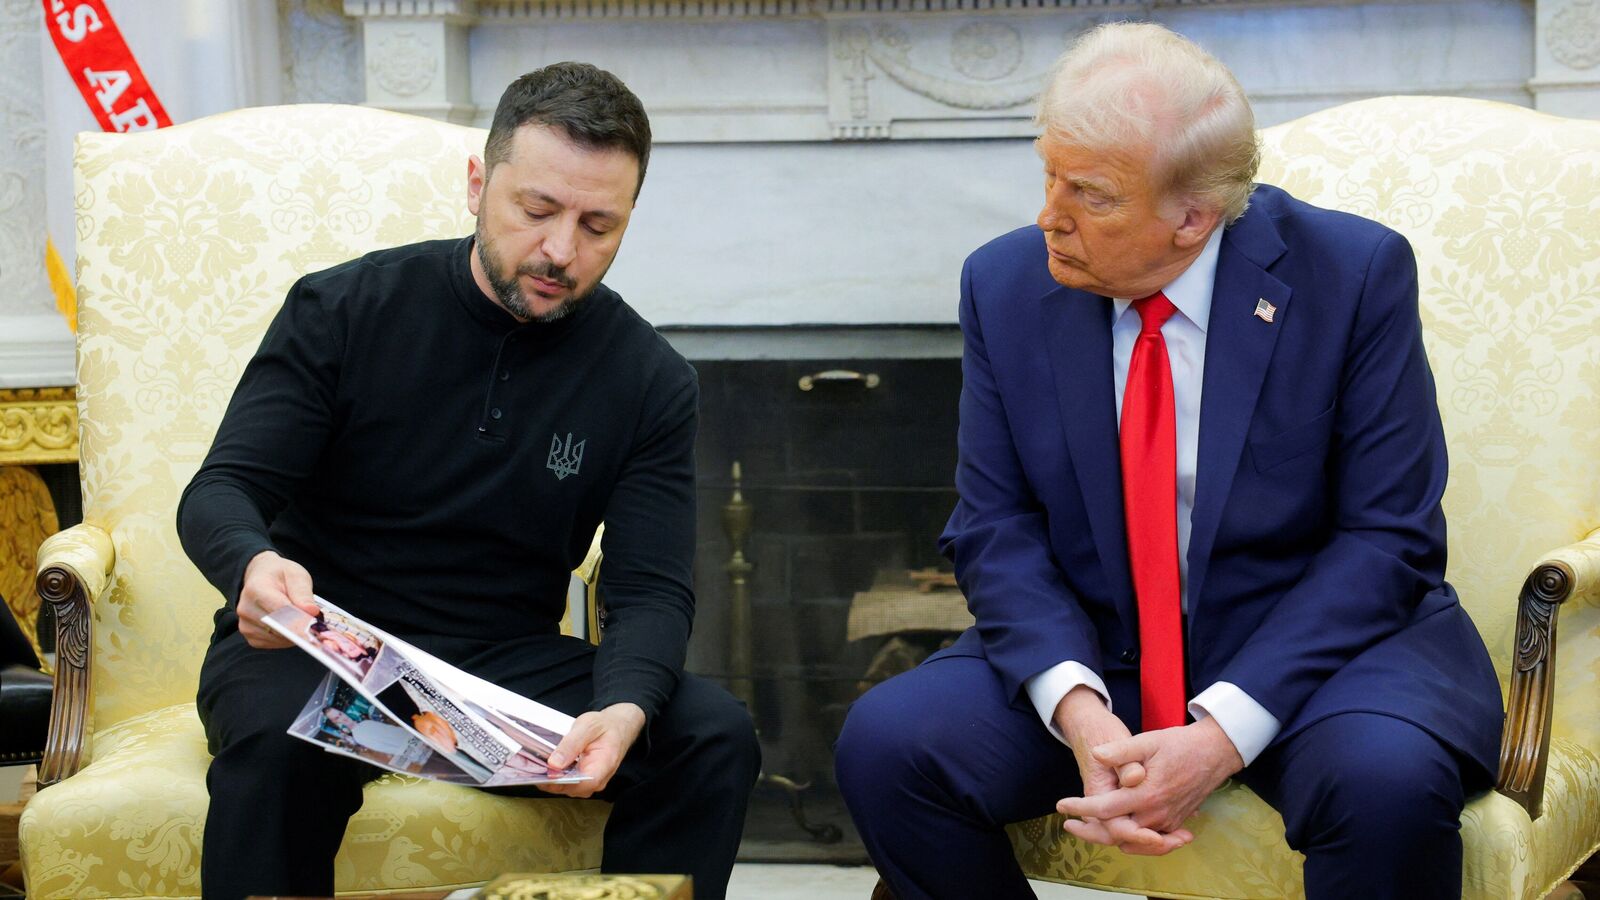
(321, 53)
(859, 233)
(35, 345)
(702, 80)
(1298, 59)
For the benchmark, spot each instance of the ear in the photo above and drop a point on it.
(477, 179)
(1196, 227)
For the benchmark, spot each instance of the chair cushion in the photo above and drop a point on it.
(1239, 851)
(130, 823)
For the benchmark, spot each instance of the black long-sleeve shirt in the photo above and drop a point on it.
(440, 468)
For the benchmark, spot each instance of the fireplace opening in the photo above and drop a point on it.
(823, 484)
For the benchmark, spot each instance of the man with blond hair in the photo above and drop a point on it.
(1199, 523)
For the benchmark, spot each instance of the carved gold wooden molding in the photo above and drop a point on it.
(38, 425)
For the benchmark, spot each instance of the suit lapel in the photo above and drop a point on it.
(1078, 331)
(1238, 350)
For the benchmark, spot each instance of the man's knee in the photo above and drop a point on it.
(1385, 784)
(725, 744)
(264, 756)
(884, 742)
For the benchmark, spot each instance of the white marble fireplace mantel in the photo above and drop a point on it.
(831, 162)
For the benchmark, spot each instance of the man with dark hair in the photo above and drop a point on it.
(432, 434)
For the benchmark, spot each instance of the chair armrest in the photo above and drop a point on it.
(74, 571)
(589, 569)
(589, 572)
(1570, 572)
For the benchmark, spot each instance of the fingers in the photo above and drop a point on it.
(1116, 754)
(270, 581)
(600, 763)
(597, 761)
(261, 637)
(1127, 836)
(576, 741)
(563, 790)
(297, 586)
(1120, 802)
(1130, 774)
(1092, 830)
(1131, 837)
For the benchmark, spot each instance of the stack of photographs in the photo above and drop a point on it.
(404, 710)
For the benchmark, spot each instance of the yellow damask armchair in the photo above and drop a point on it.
(1502, 206)
(188, 239)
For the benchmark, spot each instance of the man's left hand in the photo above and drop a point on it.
(1182, 767)
(598, 741)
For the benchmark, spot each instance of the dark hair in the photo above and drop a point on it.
(590, 105)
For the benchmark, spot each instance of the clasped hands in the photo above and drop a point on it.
(1138, 790)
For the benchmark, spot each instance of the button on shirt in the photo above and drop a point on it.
(1246, 723)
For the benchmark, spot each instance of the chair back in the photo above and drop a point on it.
(188, 239)
(1502, 206)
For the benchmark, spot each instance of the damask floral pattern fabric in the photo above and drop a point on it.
(129, 824)
(1502, 206)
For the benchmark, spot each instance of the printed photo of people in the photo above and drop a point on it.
(434, 728)
(342, 718)
(329, 635)
(346, 641)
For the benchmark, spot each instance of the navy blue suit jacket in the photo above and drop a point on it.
(1317, 552)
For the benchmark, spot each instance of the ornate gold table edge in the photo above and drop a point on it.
(38, 426)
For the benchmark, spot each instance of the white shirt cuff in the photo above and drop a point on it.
(1245, 722)
(1048, 687)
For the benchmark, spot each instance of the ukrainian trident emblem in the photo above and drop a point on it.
(565, 458)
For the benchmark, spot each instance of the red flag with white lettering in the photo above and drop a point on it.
(102, 66)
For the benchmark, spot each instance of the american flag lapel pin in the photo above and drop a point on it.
(1265, 311)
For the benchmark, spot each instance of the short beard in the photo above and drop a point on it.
(509, 292)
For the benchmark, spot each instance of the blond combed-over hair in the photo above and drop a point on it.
(1132, 83)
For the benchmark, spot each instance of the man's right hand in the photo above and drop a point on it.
(1085, 721)
(270, 583)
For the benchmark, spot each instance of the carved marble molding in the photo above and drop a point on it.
(415, 55)
(761, 71)
(538, 10)
(941, 77)
(1567, 57)
(461, 12)
(38, 425)
(1574, 35)
(403, 63)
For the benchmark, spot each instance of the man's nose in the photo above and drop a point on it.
(561, 244)
(1053, 218)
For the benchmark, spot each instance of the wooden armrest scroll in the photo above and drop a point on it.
(74, 569)
(1525, 743)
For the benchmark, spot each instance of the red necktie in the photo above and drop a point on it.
(1149, 439)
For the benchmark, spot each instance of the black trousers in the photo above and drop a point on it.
(678, 799)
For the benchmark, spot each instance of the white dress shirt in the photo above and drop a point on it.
(1246, 723)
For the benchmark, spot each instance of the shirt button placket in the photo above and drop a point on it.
(500, 373)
